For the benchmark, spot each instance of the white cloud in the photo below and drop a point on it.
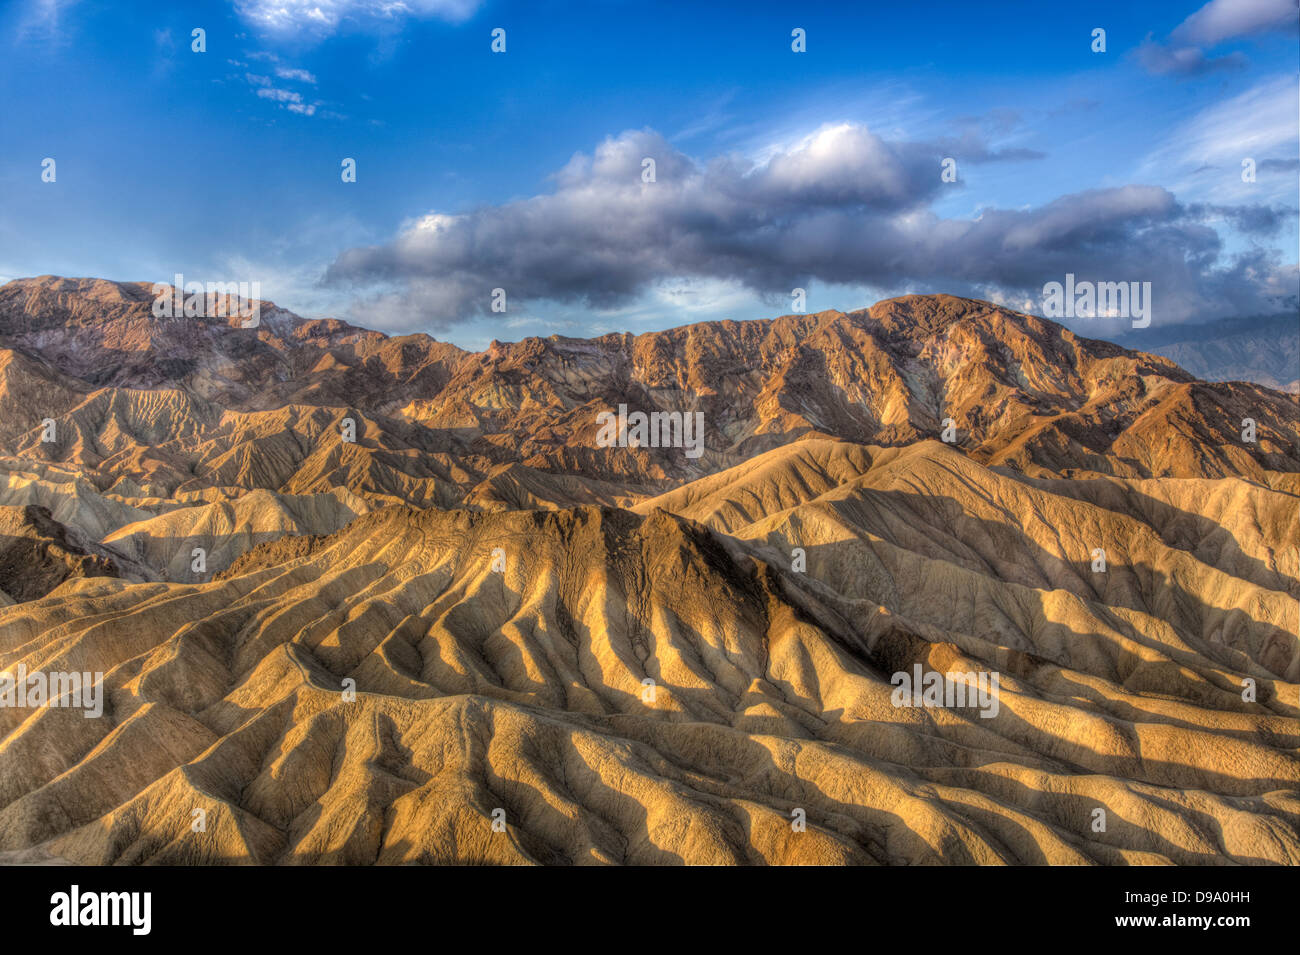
(41, 18)
(325, 16)
(1201, 159)
(302, 76)
(1222, 20)
(841, 207)
(280, 96)
(1184, 53)
(288, 99)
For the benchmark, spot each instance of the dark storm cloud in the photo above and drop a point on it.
(1253, 220)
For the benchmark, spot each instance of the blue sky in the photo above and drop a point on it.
(774, 169)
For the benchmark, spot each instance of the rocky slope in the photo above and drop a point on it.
(473, 635)
(520, 686)
(37, 553)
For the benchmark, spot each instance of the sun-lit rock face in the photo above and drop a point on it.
(473, 634)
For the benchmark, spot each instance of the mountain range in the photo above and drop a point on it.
(358, 598)
(1263, 349)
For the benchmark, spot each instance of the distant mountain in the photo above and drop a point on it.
(478, 633)
(1265, 350)
(198, 403)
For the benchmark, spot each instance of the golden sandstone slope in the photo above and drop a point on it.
(457, 614)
